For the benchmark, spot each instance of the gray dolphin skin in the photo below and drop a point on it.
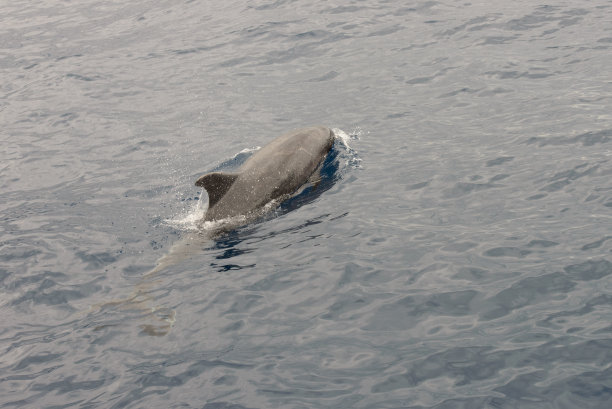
(275, 171)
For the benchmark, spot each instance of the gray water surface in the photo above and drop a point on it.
(460, 257)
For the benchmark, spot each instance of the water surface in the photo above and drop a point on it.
(460, 256)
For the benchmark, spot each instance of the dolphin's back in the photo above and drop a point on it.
(277, 169)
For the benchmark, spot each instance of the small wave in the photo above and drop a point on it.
(235, 161)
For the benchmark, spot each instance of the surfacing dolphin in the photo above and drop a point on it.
(273, 173)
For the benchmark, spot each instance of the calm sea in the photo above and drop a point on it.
(458, 254)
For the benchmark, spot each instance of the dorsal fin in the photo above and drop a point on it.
(216, 185)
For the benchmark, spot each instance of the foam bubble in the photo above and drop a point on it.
(189, 219)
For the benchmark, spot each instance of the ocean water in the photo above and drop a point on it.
(457, 255)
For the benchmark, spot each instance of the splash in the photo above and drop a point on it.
(351, 158)
(189, 218)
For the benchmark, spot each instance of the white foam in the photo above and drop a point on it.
(352, 159)
(189, 218)
(248, 150)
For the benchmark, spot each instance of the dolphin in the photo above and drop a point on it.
(273, 173)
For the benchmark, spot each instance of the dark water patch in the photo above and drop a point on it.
(514, 75)
(326, 77)
(18, 254)
(233, 252)
(229, 267)
(532, 337)
(569, 22)
(224, 405)
(586, 139)
(226, 380)
(468, 365)
(273, 5)
(195, 50)
(134, 270)
(66, 118)
(4, 274)
(589, 270)
(414, 276)
(234, 62)
(419, 80)
(587, 389)
(460, 403)
(476, 21)
(463, 90)
(35, 360)
(235, 326)
(398, 115)
(96, 261)
(499, 177)
(534, 290)
(45, 276)
(537, 196)
(312, 34)
(81, 77)
(47, 293)
(357, 274)
(270, 30)
(344, 9)
(386, 31)
(493, 92)
(590, 306)
(464, 365)
(528, 291)
(499, 161)
(497, 40)
(274, 282)
(541, 244)
(417, 186)
(539, 18)
(70, 385)
(471, 274)
(562, 179)
(68, 56)
(244, 304)
(407, 312)
(596, 244)
(300, 51)
(465, 188)
(347, 307)
(424, 7)
(460, 247)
